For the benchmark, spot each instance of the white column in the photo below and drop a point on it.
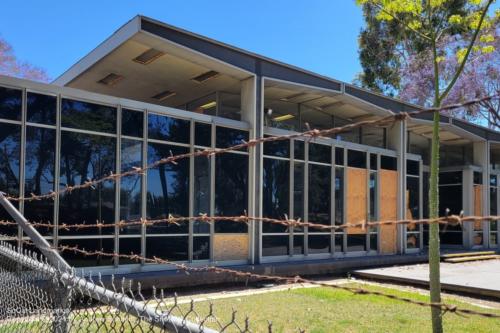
(482, 159)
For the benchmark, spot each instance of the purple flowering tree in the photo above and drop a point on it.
(10, 65)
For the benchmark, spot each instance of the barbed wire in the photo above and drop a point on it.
(310, 134)
(444, 307)
(452, 220)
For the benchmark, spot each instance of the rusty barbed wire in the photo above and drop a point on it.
(310, 134)
(452, 220)
(444, 307)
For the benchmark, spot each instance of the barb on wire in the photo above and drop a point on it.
(309, 134)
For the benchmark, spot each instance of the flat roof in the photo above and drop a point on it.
(252, 63)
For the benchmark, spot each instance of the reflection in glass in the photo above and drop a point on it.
(88, 116)
(275, 245)
(168, 128)
(201, 192)
(10, 145)
(373, 196)
(298, 244)
(275, 192)
(168, 188)
(130, 187)
(10, 103)
(298, 149)
(320, 153)
(356, 159)
(203, 134)
(201, 247)
(298, 191)
(132, 123)
(39, 174)
(168, 248)
(129, 246)
(319, 194)
(339, 196)
(94, 244)
(356, 243)
(319, 244)
(227, 137)
(231, 190)
(85, 157)
(41, 109)
(277, 148)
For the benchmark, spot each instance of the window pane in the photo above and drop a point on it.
(320, 153)
(39, 174)
(85, 157)
(388, 163)
(373, 242)
(356, 243)
(319, 194)
(339, 243)
(276, 181)
(10, 103)
(298, 147)
(132, 123)
(203, 134)
(88, 116)
(356, 159)
(412, 188)
(168, 188)
(298, 244)
(10, 145)
(412, 167)
(130, 190)
(275, 245)
(201, 192)
(493, 201)
(478, 177)
(339, 196)
(319, 244)
(79, 260)
(201, 248)
(373, 162)
(277, 148)
(298, 191)
(41, 109)
(168, 248)
(231, 190)
(373, 196)
(450, 177)
(129, 246)
(412, 240)
(339, 156)
(168, 129)
(227, 137)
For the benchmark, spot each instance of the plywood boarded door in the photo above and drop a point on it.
(356, 197)
(231, 246)
(388, 210)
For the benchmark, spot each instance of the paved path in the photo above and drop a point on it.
(480, 277)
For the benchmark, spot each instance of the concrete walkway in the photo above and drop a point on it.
(478, 278)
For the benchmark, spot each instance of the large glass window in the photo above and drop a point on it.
(231, 190)
(41, 109)
(132, 123)
(168, 188)
(131, 186)
(275, 192)
(227, 137)
(319, 194)
(88, 116)
(168, 129)
(86, 157)
(10, 148)
(10, 103)
(202, 191)
(39, 173)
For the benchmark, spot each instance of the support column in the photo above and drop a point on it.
(396, 140)
(251, 112)
(468, 206)
(482, 159)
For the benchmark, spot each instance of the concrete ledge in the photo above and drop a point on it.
(175, 278)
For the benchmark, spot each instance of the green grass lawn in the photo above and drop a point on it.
(328, 310)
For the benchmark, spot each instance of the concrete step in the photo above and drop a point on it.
(468, 254)
(471, 258)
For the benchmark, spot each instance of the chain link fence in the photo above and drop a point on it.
(37, 297)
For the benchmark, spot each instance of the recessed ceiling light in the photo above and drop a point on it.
(148, 56)
(111, 79)
(284, 117)
(208, 105)
(164, 95)
(286, 99)
(205, 76)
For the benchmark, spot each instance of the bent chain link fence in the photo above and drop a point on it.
(37, 297)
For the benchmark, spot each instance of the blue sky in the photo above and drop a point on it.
(319, 35)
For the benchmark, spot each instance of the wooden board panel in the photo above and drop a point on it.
(478, 205)
(388, 210)
(231, 246)
(356, 197)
